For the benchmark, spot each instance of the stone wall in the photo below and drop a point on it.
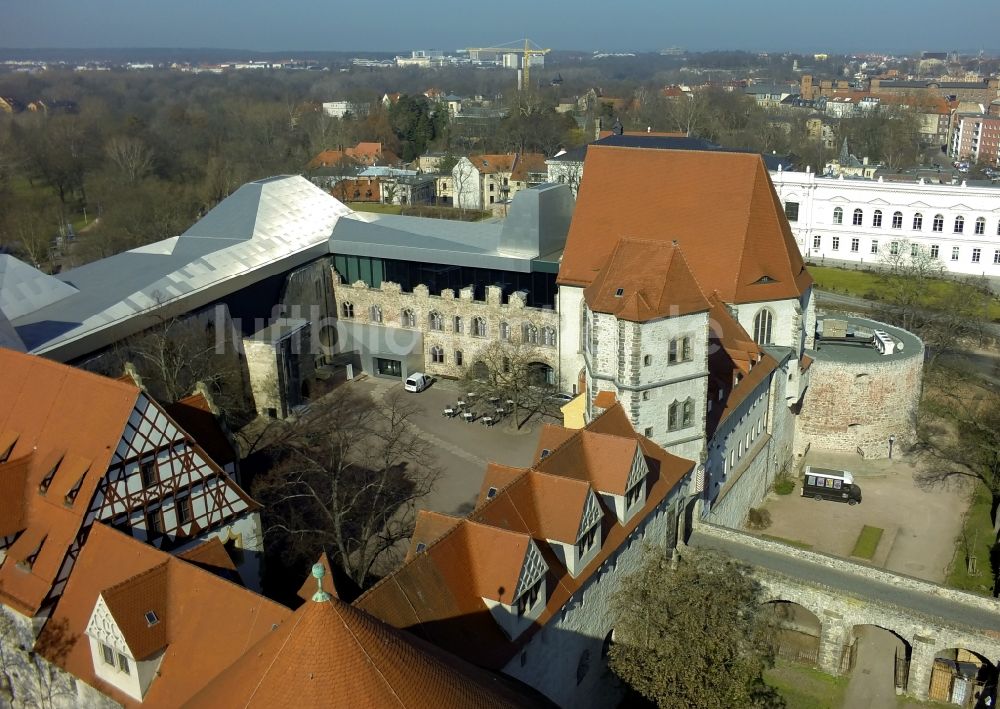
(393, 302)
(566, 659)
(27, 680)
(856, 406)
(840, 613)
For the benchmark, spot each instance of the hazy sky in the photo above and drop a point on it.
(340, 25)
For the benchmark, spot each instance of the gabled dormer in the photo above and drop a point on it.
(516, 612)
(635, 489)
(127, 632)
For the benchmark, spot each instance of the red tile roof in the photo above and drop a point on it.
(332, 654)
(205, 622)
(437, 594)
(528, 163)
(605, 399)
(644, 280)
(719, 207)
(194, 414)
(488, 164)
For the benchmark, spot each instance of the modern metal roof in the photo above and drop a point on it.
(264, 228)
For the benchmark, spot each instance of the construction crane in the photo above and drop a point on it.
(528, 50)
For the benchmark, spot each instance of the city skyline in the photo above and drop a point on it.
(309, 25)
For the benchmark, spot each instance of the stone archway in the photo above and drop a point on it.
(541, 374)
(797, 631)
(962, 677)
(878, 660)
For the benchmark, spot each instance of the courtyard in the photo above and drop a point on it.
(919, 527)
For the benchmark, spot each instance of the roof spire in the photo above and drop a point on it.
(320, 596)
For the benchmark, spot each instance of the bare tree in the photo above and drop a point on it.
(513, 372)
(133, 157)
(689, 114)
(349, 475)
(958, 436)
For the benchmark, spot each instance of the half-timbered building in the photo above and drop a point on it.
(76, 448)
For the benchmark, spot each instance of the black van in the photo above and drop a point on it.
(827, 484)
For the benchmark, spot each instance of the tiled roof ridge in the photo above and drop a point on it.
(364, 650)
(274, 657)
(134, 578)
(694, 277)
(779, 214)
(90, 377)
(738, 271)
(604, 146)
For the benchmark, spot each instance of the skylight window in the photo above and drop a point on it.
(151, 618)
(619, 293)
(545, 453)
(491, 493)
(420, 547)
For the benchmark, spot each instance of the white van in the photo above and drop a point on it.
(418, 381)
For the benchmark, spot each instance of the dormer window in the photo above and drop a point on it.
(633, 494)
(491, 493)
(586, 542)
(151, 618)
(529, 599)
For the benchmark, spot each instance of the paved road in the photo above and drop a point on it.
(872, 684)
(858, 585)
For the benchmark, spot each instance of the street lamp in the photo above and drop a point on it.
(892, 439)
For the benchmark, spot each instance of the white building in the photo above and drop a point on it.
(860, 220)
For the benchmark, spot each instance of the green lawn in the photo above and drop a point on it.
(976, 539)
(376, 207)
(867, 284)
(867, 542)
(805, 687)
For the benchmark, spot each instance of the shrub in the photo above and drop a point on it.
(784, 485)
(758, 518)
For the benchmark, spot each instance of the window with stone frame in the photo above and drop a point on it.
(504, 331)
(762, 327)
(980, 225)
(672, 351)
(877, 218)
(458, 357)
(688, 414)
(838, 215)
(529, 334)
(673, 416)
(408, 318)
(437, 354)
(347, 310)
(549, 336)
(479, 327)
(938, 224)
(458, 325)
(685, 353)
(792, 211)
(859, 217)
(918, 221)
(897, 220)
(436, 321)
(375, 314)
(959, 225)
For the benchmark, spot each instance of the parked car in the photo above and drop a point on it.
(416, 382)
(562, 397)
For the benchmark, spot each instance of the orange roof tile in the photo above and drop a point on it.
(605, 399)
(528, 505)
(644, 280)
(212, 556)
(550, 438)
(332, 654)
(194, 414)
(601, 459)
(487, 164)
(528, 163)
(429, 527)
(436, 597)
(207, 622)
(719, 207)
(497, 478)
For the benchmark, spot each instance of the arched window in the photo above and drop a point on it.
(375, 313)
(529, 334)
(459, 357)
(959, 225)
(838, 215)
(458, 325)
(436, 321)
(408, 318)
(897, 220)
(918, 221)
(686, 349)
(437, 354)
(688, 419)
(347, 310)
(877, 218)
(980, 225)
(479, 327)
(549, 336)
(504, 331)
(938, 224)
(673, 412)
(762, 327)
(859, 217)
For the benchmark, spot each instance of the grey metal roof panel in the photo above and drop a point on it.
(24, 288)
